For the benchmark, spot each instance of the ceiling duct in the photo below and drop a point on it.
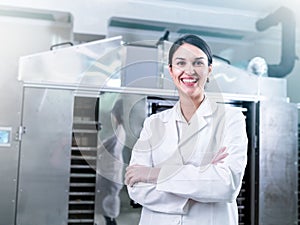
(288, 40)
(136, 30)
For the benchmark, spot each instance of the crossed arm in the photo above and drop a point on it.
(219, 181)
(138, 173)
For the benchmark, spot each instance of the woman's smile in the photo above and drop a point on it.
(189, 81)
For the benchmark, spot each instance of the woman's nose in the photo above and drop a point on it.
(189, 69)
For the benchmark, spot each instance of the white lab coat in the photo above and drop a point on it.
(190, 189)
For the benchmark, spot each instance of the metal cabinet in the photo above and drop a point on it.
(44, 166)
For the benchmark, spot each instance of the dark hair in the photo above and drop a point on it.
(193, 40)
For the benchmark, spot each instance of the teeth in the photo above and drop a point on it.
(189, 80)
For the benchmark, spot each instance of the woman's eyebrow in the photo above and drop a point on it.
(199, 58)
(179, 58)
(196, 58)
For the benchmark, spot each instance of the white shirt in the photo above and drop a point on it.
(190, 190)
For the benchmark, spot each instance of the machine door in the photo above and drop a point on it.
(44, 157)
(278, 163)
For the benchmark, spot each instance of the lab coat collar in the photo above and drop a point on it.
(198, 121)
(207, 108)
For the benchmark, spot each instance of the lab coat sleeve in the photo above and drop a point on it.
(146, 194)
(212, 183)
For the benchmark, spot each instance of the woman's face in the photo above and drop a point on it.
(190, 70)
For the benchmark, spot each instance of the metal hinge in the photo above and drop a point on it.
(20, 132)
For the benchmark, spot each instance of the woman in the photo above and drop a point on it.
(188, 164)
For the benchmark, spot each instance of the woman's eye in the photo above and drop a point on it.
(198, 63)
(180, 63)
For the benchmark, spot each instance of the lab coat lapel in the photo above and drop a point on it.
(194, 132)
(172, 138)
(188, 141)
(197, 124)
(198, 121)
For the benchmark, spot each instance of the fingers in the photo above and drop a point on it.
(139, 173)
(222, 150)
(220, 156)
(134, 174)
(129, 176)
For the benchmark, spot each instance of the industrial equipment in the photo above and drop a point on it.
(23, 32)
(68, 97)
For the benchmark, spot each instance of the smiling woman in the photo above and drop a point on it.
(190, 63)
(188, 163)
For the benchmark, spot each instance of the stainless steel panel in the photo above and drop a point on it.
(20, 28)
(11, 100)
(45, 157)
(92, 64)
(278, 163)
(140, 67)
(10, 117)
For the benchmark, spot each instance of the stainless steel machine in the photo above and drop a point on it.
(20, 30)
(66, 114)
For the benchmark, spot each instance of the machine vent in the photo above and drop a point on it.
(83, 162)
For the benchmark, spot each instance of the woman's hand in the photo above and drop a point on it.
(139, 173)
(221, 154)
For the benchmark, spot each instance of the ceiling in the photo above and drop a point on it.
(237, 8)
(253, 5)
(257, 6)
